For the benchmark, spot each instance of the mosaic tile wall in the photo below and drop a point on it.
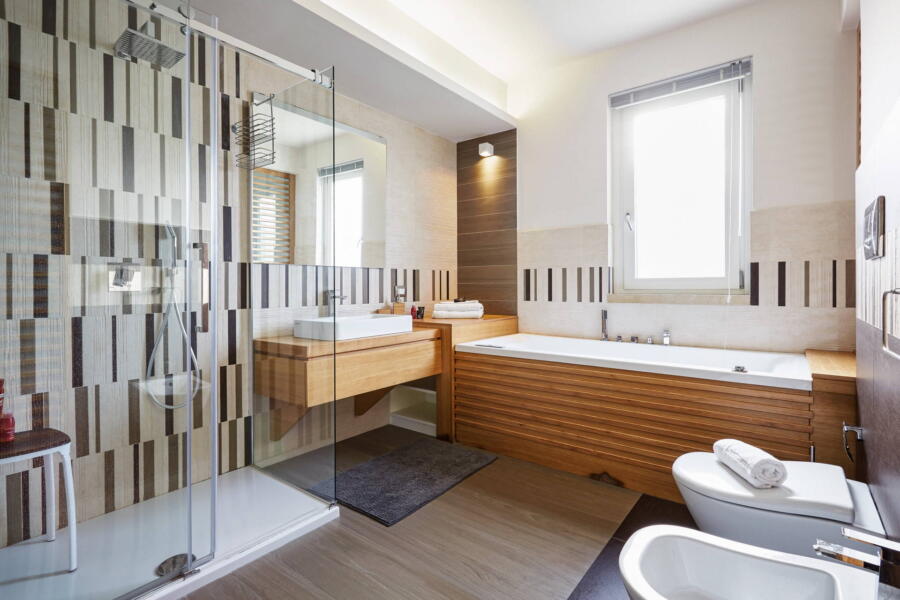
(876, 276)
(92, 164)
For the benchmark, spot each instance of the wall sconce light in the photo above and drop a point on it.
(485, 149)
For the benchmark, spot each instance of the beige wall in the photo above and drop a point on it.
(804, 114)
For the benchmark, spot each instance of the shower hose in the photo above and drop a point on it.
(171, 309)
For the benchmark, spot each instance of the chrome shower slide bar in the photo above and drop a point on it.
(213, 32)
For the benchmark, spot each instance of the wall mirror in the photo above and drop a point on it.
(312, 208)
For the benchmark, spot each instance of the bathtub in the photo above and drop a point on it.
(774, 369)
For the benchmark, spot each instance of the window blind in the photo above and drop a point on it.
(353, 165)
(271, 219)
(736, 69)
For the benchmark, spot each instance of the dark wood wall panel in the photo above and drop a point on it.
(878, 387)
(487, 222)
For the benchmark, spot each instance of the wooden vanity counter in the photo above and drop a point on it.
(834, 403)
(460, 331)
(297, 374)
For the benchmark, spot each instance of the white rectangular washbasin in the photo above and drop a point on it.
(349, 328)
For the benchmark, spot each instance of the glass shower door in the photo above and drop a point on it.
(108, 188)
(294, 280)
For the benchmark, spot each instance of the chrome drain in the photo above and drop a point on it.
(173, 564)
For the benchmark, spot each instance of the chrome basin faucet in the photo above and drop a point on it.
(886, 562)
(604, 334)
(330, 300)
(667, 338)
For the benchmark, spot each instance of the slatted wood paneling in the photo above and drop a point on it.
(272, 218)
(487, 222)
(630, 424)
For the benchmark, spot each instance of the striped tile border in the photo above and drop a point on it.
(819, 283)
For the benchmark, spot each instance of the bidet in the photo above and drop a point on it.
(665, 562)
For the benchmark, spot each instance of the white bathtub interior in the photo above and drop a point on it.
(776, 369)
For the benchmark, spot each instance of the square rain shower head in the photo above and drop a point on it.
(135, 44)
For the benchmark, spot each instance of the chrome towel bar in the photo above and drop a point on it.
(885, 327)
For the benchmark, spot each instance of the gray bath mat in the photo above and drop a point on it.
(393, 486)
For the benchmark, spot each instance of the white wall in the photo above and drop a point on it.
(878, 173)
(804, 128)
(880, 50)
(804, 109)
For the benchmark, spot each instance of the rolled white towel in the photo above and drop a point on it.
(758, 467)
(457, 314)
(468, 305)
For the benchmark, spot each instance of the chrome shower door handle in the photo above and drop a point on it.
(885, 327)
(206, 284)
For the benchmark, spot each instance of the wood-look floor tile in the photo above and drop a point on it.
(513, 530)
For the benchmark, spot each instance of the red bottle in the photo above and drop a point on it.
(7, 421)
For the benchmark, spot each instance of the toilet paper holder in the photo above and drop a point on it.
(857, 430)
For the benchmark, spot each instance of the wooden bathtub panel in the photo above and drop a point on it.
(548, 453)
(651, 406)
(664, 434)
(630, 424)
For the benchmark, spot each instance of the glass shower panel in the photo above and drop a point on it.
(106, 184)
(291, 234)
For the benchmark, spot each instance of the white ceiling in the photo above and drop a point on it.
(388, 66)
(511, 37)
(363, 71)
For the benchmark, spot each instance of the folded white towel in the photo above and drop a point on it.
(758, 467)
(457, 314)
(468, 305)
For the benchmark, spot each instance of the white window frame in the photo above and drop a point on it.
(325, 211)
(737, 93)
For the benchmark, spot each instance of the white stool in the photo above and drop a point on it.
(45, 443)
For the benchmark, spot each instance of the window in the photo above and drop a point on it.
(679, 164)
(272, 218)
(345, 184)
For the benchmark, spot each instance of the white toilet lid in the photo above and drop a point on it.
(812, 489)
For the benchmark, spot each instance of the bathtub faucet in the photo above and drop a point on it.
(604, 334)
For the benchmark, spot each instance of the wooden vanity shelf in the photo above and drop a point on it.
(834, 403)
(297, 374)
(460, 331)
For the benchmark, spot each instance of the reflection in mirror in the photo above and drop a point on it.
(310, 207)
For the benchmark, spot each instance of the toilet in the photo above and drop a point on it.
(814, 502)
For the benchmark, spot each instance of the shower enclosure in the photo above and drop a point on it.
(125, 294)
